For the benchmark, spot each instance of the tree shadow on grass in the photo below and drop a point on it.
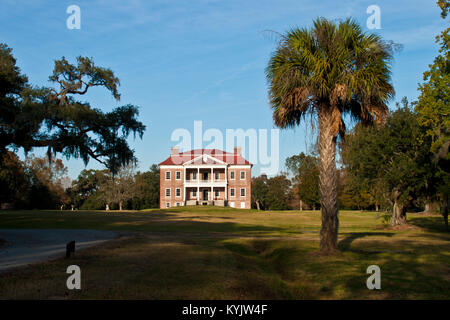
(162, 221)
(434, 223)
(419, 274)
(168, 221)
(345, 243)
(204, 217)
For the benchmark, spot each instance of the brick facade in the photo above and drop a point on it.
(205, 177)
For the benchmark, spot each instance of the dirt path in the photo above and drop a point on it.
(25, 246)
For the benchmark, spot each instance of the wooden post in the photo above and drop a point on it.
(70, 249)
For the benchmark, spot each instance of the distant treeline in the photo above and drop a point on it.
(42, 183)
(128, 189)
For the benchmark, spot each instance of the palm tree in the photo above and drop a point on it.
(329, 70)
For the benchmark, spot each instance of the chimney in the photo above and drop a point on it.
(175, 150)
(237, 150)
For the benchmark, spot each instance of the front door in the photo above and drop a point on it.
(205, 194)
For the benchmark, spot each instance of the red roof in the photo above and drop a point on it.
(227, 157)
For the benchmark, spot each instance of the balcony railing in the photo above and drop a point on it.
(206, 180)
(200, 182)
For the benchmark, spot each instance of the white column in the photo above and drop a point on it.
(198, 183)
(226, 183)
(212, 180)
(184, 186)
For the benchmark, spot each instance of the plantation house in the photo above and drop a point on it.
(205, 177)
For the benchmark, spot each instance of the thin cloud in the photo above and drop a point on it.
(219, 82)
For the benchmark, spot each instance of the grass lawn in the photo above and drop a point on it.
(224, 253)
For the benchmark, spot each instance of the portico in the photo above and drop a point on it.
(205, 181)
(205, 177)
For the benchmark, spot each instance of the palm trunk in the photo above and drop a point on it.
(328, 182)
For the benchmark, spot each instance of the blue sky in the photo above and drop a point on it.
(181, 61)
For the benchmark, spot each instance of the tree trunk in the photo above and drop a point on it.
(445, 211)
(107, 207)
(430, 207)
(446, 218)
(377, 207)
(301, 205)
(399, 211)
(257, 205)
(328, 180)
(120, 205)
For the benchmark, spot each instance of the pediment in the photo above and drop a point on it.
(204, 159)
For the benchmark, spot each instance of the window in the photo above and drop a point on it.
(232, 204)
(167, 175)
(217, 193)
(178, 192)
(205, 176)
(167, 204)
(194, 175)
(232, 175)
(168, 192)
(242, 192)
(242, 175)
(177, 204)
(178, 175)
(242, 205)
(232, 192)
(194, 193)
(216, 176)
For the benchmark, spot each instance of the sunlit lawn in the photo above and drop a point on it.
(224, 253)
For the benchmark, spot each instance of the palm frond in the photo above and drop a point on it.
(335, 66)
